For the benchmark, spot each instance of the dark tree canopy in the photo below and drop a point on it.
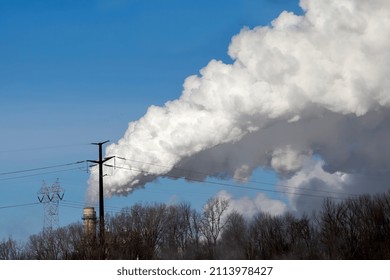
(356, 228)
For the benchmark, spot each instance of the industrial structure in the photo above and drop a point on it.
(89, 219)
(50, 197)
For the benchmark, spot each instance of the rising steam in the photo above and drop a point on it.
(307, 96)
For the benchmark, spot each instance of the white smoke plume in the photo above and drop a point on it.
(307, 96)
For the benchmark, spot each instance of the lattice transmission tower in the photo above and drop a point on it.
(50, 197)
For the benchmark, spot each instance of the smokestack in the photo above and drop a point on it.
(89, 222)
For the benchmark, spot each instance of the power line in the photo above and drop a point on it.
(229, 185)
(241, 181)
(81, 205)
(19, 205)
(40, 168)
(38, 174)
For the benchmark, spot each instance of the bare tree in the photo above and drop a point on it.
(10, 250)
(43, 246)
(123, 236)
(181, 232)
(301, 237)
(331, 219)
(62, 243)
(268, 237)
(355, 228)
(234, 238)
(213, 222)
(137, 232)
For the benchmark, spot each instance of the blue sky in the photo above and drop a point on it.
(76, 72)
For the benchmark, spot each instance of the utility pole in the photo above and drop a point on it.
(50, 197)
(101, 194)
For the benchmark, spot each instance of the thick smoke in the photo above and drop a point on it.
(307, 96)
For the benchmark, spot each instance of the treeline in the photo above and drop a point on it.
(356, 228)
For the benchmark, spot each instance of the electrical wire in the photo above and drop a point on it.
(230, 185)
(38, 174)
(40, 168)
(19, 205)
(244, 181)
(81, 205)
